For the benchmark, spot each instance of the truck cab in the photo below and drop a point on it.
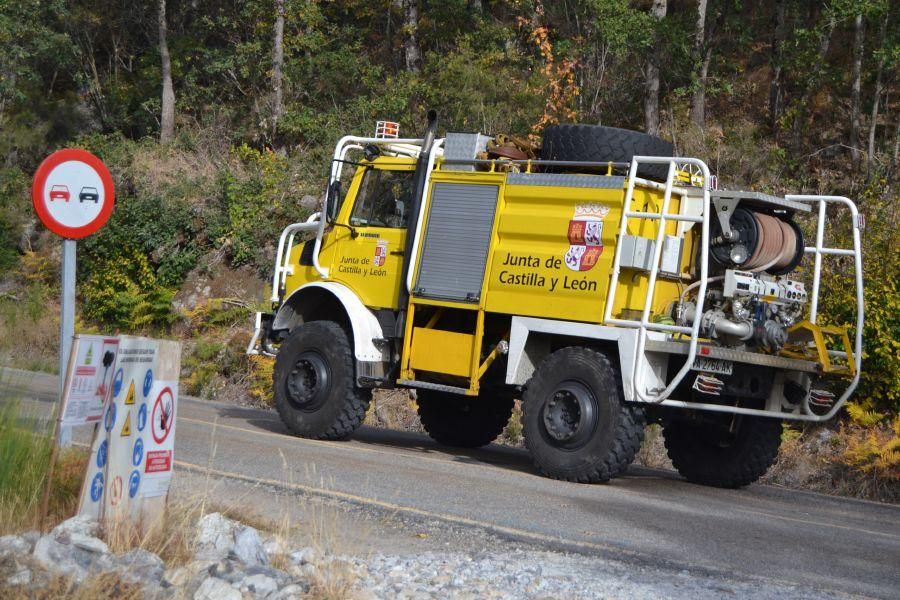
(600, 280)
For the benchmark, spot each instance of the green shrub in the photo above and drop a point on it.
(14, 209)
(124, 292)
(880, 382)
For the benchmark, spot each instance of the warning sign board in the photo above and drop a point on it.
(133, 453)
(89, 378)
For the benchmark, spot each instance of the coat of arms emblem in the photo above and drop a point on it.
(586, 236)
(380, 253)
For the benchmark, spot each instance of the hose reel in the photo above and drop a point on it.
(759, 242)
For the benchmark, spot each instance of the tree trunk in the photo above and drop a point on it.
(855, 90)
(813, 81)
(775, 92)
(879, 88)
(167, 119)
(896, 145)
(412, 54)
(475, 6)
(651, 97)
(277, 64)
(700, 57)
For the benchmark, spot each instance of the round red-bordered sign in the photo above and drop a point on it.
(163, 416)
(73, 193)
(115, 491)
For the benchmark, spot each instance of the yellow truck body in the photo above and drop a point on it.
(603, 294)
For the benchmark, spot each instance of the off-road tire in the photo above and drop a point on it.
(338, 407)
(597, 143)
(609, 445)
(463, 421)
(700, 459)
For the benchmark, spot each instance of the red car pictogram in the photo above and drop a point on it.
(59, 192)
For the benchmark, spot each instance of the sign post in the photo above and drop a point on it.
(66, 324)
(73, 196)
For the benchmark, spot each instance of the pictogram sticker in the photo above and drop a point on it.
(97, 487)
(115, 491)
(129, 398)
(102, 454)
(142, 417)
(134, 483)
(109, 419)
(137, 454)
(126, 426)
(148, 382)
(163, 415)
(118, 381)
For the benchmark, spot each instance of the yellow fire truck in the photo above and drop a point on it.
(603, 281)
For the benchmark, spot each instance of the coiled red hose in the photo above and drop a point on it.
(775, 247)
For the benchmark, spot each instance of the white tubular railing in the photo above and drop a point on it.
(821, 250)
(426, 197)
(644, 324)
(283, 267)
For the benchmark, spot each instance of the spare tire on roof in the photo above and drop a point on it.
(605, 144)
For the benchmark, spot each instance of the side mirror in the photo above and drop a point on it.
(333, 200)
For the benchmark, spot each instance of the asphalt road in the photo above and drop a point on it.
(647, 517)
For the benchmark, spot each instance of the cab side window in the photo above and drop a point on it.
(383, 199)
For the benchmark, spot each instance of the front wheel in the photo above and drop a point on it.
(315, 392)
(729, 454)
(576, 423)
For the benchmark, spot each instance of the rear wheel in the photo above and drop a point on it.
(575, 422)
(315, 391)
(728, 455)
(463, 421)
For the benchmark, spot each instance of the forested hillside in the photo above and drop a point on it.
(217, 118)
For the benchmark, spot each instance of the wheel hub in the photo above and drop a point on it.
(308, 382)
(570, 415)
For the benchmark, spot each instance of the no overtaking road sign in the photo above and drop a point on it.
(73, 193)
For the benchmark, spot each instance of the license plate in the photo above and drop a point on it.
(713, 365)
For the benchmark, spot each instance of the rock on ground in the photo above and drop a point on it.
(213, 588)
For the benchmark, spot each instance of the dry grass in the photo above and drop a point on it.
(333, 581)
(393, 409)
(103, 586)
(29, 327)
(825, 460)
(653, 450)
(24, 460)
(512, 434)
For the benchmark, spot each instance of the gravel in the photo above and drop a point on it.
(231, 563)
(542, 575)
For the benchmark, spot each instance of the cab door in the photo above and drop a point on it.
(370, 235)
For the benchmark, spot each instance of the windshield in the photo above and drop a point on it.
(383, 199)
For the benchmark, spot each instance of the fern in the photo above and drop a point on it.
(863, 414)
